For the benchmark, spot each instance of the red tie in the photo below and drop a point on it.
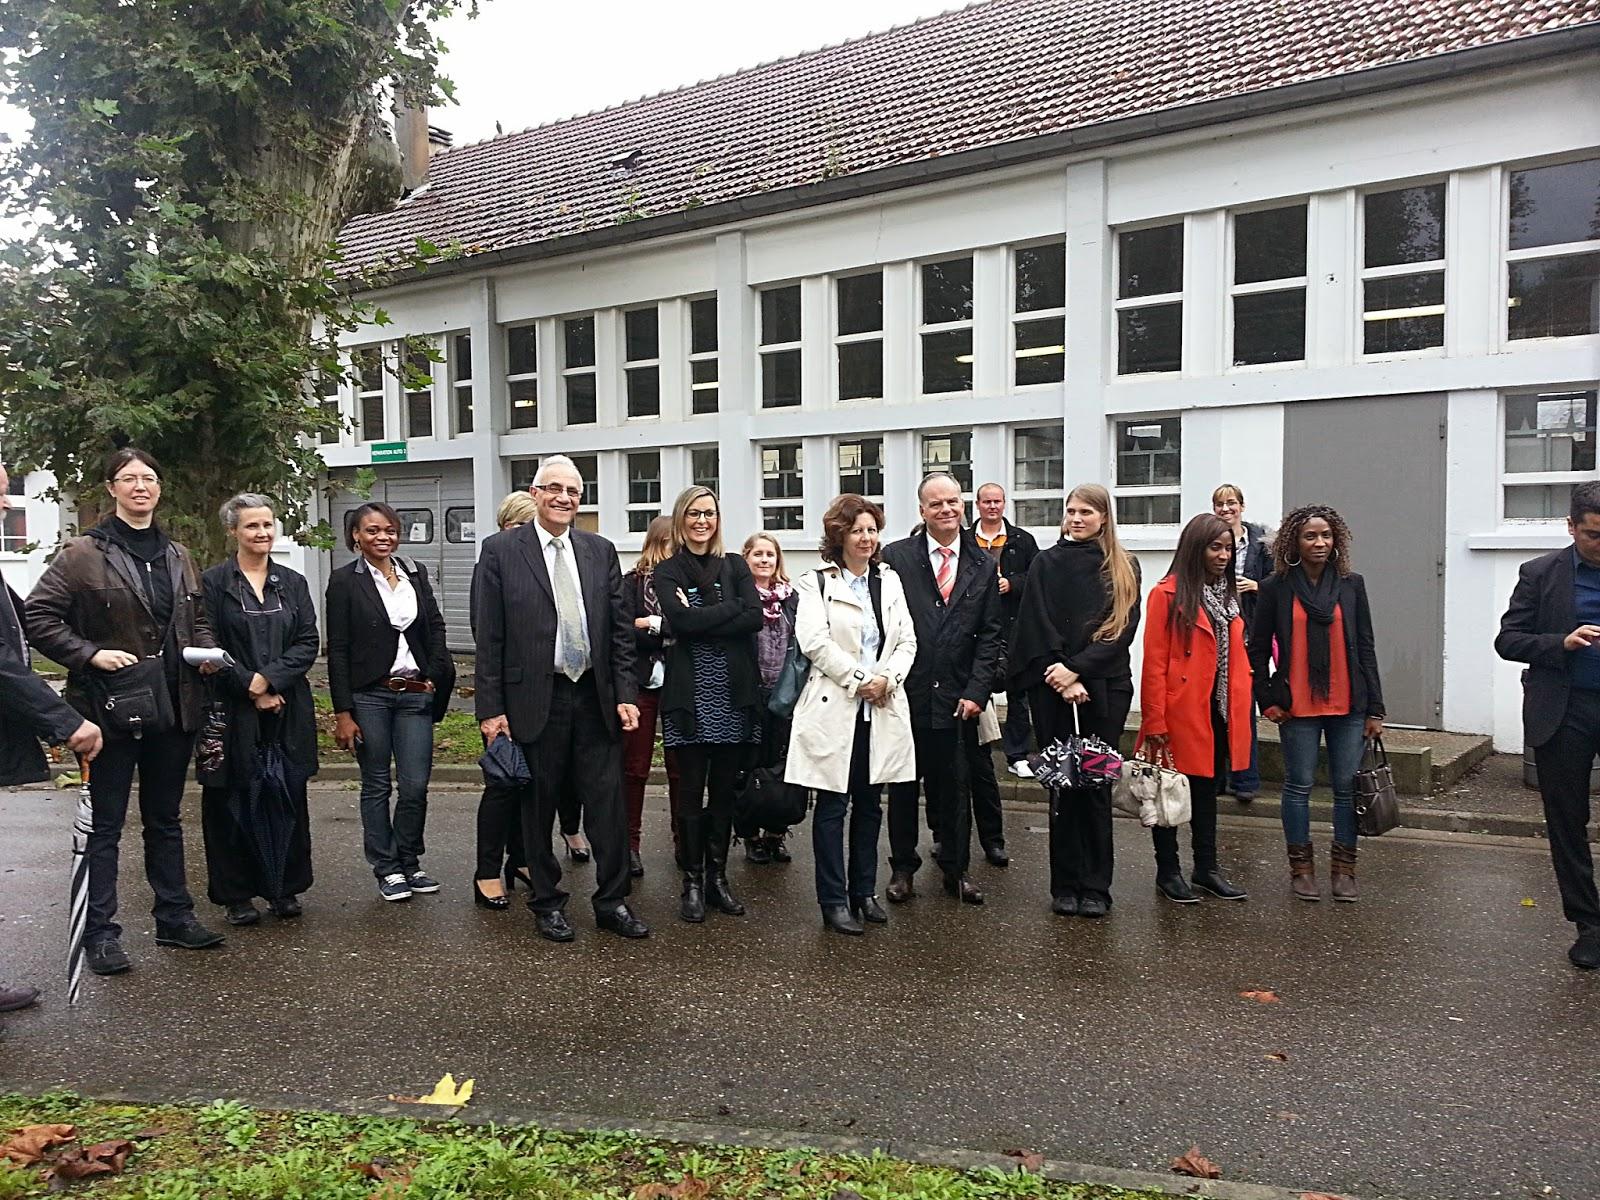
(945, 578)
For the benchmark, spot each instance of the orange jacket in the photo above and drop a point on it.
(1178, 679)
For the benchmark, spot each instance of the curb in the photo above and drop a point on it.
(694, 1133)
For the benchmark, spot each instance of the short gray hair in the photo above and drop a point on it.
(556, 460)
(931, 476)
(230, 511)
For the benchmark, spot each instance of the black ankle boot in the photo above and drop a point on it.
(719, 895)
(693, 905)
(841, 921)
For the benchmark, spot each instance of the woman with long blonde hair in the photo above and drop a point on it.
(1069, 647)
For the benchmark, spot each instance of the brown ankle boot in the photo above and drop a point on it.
(1344, 872)
(1303, 872)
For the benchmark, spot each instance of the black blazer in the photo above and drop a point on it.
(1256, 564)
(1016, 557)
(960, 643)
(1274, 623)
(516, 636)
(731, 621)
(362, 644)
(648, 648)
(1532, 631)
(1066, 600)
(30, 710)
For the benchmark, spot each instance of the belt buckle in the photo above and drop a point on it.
(395, 684)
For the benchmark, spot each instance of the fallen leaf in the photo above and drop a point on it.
(652, 1191)
(80, 1162)
(394, 1181)
(1192, 1162)
(1527, 902)
(1278, 1056)
(1260, 995)
(1028, 1160)
(1290, 1117)
(446, 1092)
(27, 1146)
(689, 1188)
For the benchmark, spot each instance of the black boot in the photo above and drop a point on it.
(719, 895)
(840, 920)
(718, 837)
(691, 858)
(692, 907)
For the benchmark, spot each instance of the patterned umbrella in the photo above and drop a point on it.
(78, 921)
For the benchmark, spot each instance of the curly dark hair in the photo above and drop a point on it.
(840, 519)
(1286, 545)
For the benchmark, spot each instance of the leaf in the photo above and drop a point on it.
(106, 108)
(80, 1162)
(1278, 1056)
(1192, 1162)
(444, 1092)
(1527, 902)
(395, 1180)
(28, 1144)
(651, 1191)
(689, 1188)
(1027, 1160)
(1259, 995)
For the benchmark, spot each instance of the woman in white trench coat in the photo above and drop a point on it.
(852, 726)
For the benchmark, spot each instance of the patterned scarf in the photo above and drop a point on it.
(772, 601)
(1221, 607)
(772, 643)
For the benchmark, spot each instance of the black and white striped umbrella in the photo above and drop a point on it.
(78, 920)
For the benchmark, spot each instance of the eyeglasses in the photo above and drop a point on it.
(700, 514)
(556, 489)
(130, 480)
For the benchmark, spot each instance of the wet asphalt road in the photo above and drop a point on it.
(1437, 1042)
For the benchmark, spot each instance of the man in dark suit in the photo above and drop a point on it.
(950, 588)
(30, 711)
(1553, 625)
(555, 673)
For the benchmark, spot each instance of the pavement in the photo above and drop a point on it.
(1430, 1042)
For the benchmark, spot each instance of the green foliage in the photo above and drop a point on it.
(188, 168)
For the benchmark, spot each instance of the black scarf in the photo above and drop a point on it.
(703, 570)
(1320, 603)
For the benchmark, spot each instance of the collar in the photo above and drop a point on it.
(982, 537)
(1579, 565)
(363, 565)
(546, 537)
(934, 547)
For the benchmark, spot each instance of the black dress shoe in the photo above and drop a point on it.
(720, 897)
(578, 854)
(838, 919)
(107, 957)
(14, 998)
(963, 887)
(867, 908)
(243, 913)
(692, 905)
(1091, 905)
(900, 888)
(1065, 906)
(635, 864)
(554, 926)
(1176, 888)
(1585, 952)
(1214, 882)
(622, 923)
(757, 852)
(286, 908)
(497, 903)
(191, 935)
(997, 855)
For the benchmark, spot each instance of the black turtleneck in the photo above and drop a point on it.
(148, 548)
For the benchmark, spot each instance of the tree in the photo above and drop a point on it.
(189, 167)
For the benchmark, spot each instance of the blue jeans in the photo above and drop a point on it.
(1301, 737)
(1248, 779)
(397, 725)
(865, 804)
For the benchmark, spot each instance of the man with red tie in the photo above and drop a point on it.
(949, 586)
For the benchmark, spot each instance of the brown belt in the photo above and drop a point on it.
(399, 683)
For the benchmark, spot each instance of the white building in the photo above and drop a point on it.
(1328, 254)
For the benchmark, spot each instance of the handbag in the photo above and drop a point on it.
(503, 764)
(211, 747)
(1154, 792)
(792, 675)
(1079, 761)
(133, 701)
(762, 800)
(1377, 806)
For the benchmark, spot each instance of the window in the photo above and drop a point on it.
(1039, 475)
(1269, 286)
(1550, 448)
(1402, 270)
(951, 452)
(366, 364)
(703, 355)
(946, 328)
(1149, 469)
(641, 361)
(780, 347)
(1553, 251)
(522, 375)
(461, 384)
(328, 387)
(858, 336)
(14, 521)
(589, 510)
(782, 486)
(1039, 315)
(705, 468)
(1150, 300)
(861, 467)
(460, 525)
(644, 489)
(416, 526)
(577, 374)
(418, 389)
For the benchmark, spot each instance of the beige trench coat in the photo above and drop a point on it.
(828, 629)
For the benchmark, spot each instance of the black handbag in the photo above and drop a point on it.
(1377, 806)
(792, 675)
(133, 701)
(762, 800)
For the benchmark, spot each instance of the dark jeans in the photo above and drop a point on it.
(944, 768)
(865, 805)
(1082, 857)
(709, 774)
(1203, 811)
(398, 726)
(1249, 779)
(1564, 762)
(638, 747)
(576, 754)
(1016, 734)
(162, 763)
(1301, 737)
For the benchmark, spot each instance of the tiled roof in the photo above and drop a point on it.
(995, 72)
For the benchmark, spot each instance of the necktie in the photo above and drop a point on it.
(945, 577)
(572, 645)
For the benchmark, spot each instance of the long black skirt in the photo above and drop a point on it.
(233, 863)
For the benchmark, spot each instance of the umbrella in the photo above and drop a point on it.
(265, 810)
(78, 899)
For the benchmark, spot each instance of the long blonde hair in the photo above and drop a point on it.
(781, 574)
(657, 545)
(680, 521)
(1117, 564)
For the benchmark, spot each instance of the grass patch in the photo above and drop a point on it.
(50, 670)
(227, 1151)
(455, 740)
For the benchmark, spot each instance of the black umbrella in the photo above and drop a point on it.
(266, 811)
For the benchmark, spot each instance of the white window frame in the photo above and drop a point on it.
(459, 385)
(1120, 490)
(1289, 283)
(630, 365)
(11, 544)
(362, 393)
(764, 349)
(855, 339)
(522, 377)
(924, 330)
(1510, 479)
(1160, 299)
(1533, 253)
(1018, 494)
(711, 356)
(838, 468)
(333, 401)
(1433, 266)
(404, 349)
(716, 481)
(1033, 316)
(570, 373)
(630, 506)
(797, 503)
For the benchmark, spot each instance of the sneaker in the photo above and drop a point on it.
(191, 935)
(394, 887)
(107, 957)
(422, 883)
(1020, 769)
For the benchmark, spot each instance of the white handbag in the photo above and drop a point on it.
(1154, 792)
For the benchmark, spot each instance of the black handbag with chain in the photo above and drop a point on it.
(1377, 806)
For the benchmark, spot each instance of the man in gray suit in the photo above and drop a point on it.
(554, 672)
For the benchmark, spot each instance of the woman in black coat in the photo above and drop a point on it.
(1069, 647)
(711, 699)
(262, 615)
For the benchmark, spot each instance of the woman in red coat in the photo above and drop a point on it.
(1196, 695)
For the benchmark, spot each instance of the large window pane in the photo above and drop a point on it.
(1041, 278)
(1148, 510)
(1040, 459)
(1550, 431)
(1150, 261)
(861, 303)
(780, 315)
(578, 338)
(1404, 226)
(947, 291)
(644, 477)
(1269, 245)
(785, 516)
(705, 467)
(644, 392)
(1041, 351)
(1557, 204)
(947, 361)
(703, 385)
(1039, 514)
(1404, 312)
(861, 370)
(580, 399)
(1269, 327)
(367, 363)
(1555, 297)
(641, 337)
(703, 325)
(861, 467)
(524, 396)
(949, 452)
(522, 350)
(780, 379)
(1538, 502)
(781, 472)
(419, 394)
(1150, 338)
(1149, 452)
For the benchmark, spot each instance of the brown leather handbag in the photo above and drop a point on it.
(1377, 806)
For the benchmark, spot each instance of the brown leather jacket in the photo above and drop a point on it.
(90, 599)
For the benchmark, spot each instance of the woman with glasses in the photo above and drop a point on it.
(262, 615)
(126, 597)
(710, 700)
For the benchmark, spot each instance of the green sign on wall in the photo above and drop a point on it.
(388, 452)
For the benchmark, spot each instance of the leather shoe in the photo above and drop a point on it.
(899, 889)
(692, 906)
(191, 935)
(107, 957)
(997, 856)
(963, 887)
(838, 919)
(1216, 883)
(1091, 905)
(635, 864)
(1065, 906)
(1176, 888)
(867, 908)
(286, 908)
(243, 913)
(13, 998)
(1585, 952)
(554, 926)
(622, 923)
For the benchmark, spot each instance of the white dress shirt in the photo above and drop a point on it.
(400, 602)
(547, 541)
(935, 557)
